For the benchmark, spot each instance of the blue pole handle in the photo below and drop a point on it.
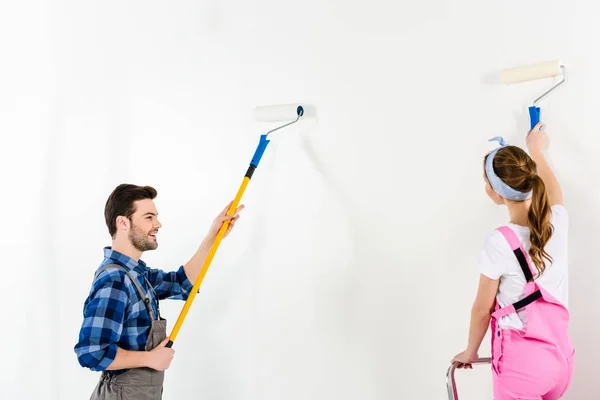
(534, 116)
(260, 149)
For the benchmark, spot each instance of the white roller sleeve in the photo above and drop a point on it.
(283, 112)
(531, 72)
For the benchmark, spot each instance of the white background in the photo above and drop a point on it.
(352, 271)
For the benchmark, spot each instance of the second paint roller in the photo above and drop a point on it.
(548, 69)
(286, 112)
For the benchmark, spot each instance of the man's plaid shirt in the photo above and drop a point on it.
(114, 314)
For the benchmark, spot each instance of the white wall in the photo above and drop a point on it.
(352, 271)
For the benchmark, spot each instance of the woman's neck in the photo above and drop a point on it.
(518, 212)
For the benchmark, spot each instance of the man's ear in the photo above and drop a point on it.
(122, 223)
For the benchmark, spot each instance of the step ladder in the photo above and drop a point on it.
(451, 383)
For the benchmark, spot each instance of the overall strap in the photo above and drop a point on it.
(517, 248)
(137, 285)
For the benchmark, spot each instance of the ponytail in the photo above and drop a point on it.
(539, 224)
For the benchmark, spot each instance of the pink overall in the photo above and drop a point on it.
(537, 362)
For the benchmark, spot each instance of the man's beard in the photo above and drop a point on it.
(140, 239)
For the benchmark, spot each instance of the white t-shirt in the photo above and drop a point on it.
(497, 260)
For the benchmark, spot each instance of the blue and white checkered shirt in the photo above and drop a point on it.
(114, 314)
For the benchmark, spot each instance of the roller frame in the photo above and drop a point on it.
(534, 110)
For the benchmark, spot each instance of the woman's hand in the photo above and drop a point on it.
(465, 359)
(536, 139)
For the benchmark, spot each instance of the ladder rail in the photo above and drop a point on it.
(451, 382)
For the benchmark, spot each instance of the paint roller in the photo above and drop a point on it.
(284, 112)
(542, 70)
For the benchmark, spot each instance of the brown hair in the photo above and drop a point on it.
(514, 166)
(120, 202)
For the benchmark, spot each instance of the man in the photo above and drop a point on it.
(123, 334)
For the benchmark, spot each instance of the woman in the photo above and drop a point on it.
(523, 286)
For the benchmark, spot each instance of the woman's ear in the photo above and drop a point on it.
(500, 199)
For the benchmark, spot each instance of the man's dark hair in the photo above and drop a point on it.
(120, 202)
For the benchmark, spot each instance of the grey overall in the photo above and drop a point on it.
(136, 383)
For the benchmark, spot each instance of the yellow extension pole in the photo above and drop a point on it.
(234, 205)
(207, 262)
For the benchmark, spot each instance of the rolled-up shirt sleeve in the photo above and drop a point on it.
(170, 285)
(102, 326)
